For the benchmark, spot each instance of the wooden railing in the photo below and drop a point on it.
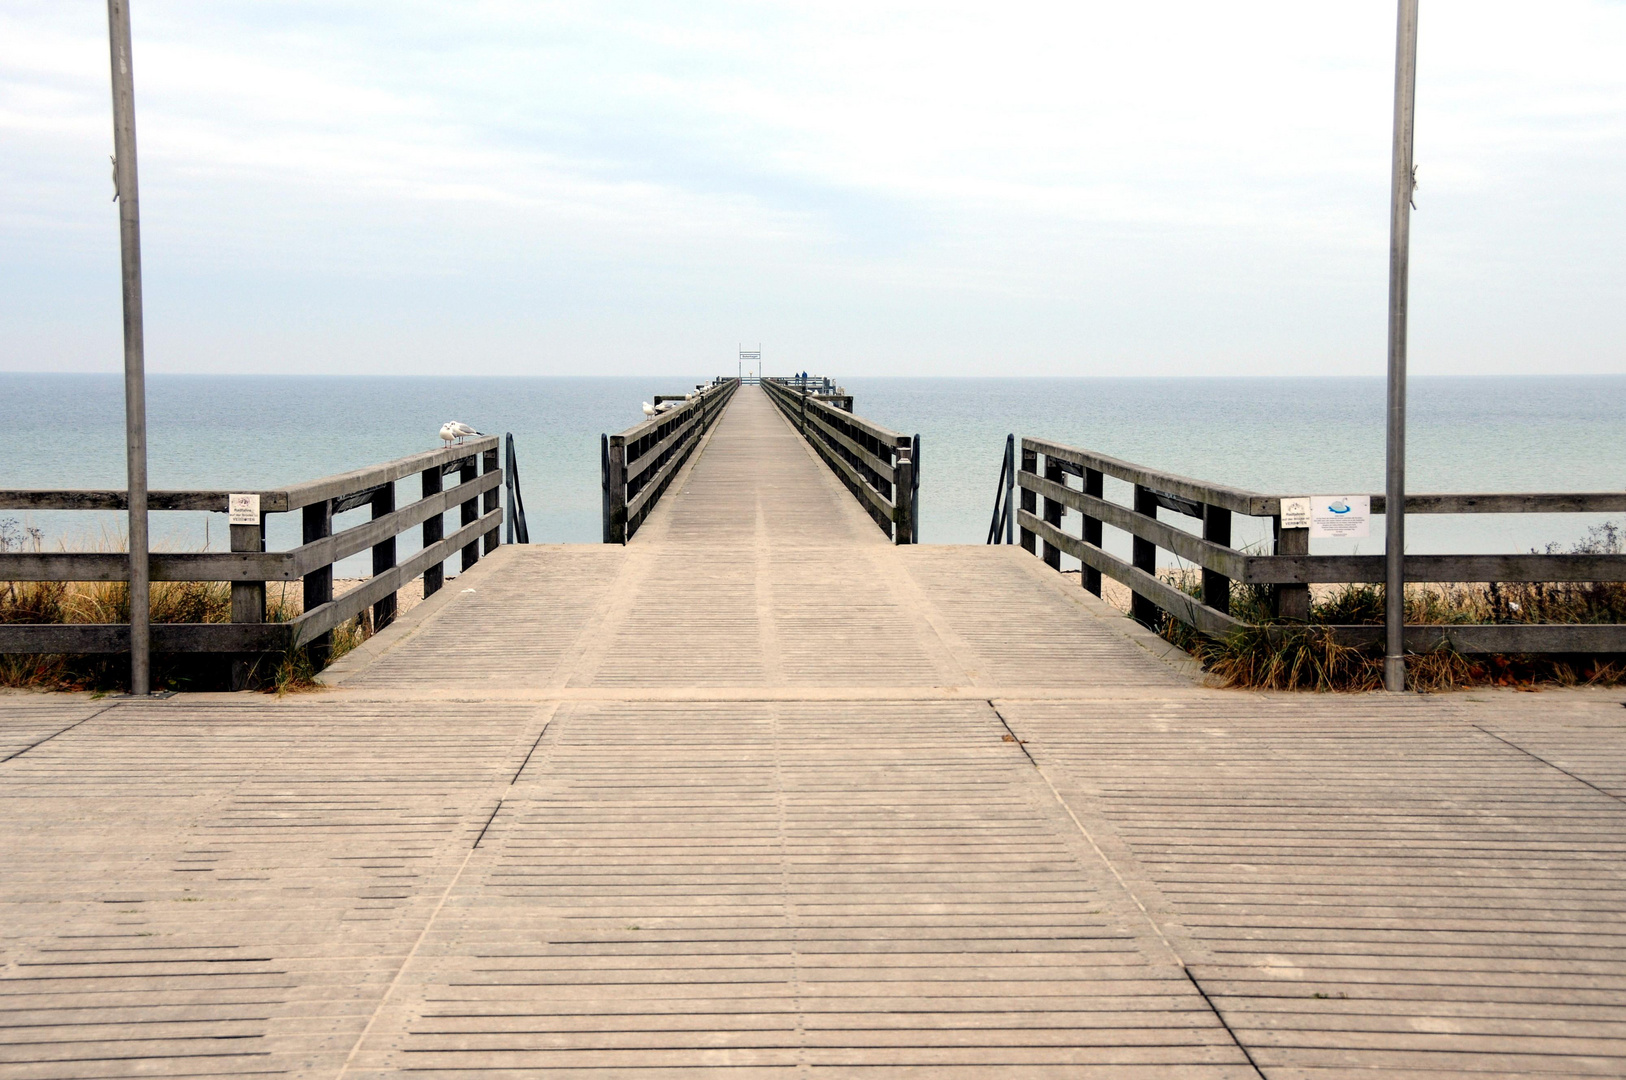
(248, 566)
(638, 464)
(1048, 494)
(881, 467)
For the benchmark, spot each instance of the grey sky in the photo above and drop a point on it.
(865, 187)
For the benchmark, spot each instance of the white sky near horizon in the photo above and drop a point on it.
(866, 188)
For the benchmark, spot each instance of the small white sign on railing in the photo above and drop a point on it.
(244, 508)
(1296, 512)
(1340, 516)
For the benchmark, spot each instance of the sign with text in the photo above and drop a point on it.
(1347, 517)
(1296, 512)
(245, 509)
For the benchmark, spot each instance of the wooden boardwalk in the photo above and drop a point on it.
(760, 794)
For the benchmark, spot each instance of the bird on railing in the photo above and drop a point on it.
(649, 410)
(456, 429)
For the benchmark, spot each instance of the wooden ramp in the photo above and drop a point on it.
(760, 794)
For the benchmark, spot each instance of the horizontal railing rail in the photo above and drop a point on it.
(248, 566)
(1044, 480)
(637, 464)
(878, 465)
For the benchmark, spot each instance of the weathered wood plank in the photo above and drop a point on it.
(881, 467)
(1306, 569)
(1508, 638)
(342, 484)
(325, 617)
(71, 499)
(1243, 502)
(96, 638)
(1219, 557)
(164, 566)
(1185, 608)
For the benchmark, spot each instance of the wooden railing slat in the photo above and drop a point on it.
(326, 617)
(1187, 609)
(1338, 569)
(1217, 557)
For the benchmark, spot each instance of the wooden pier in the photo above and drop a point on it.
(763, 793)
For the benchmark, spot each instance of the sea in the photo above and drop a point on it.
(1299, 436)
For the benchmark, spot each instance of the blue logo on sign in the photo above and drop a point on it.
(1339, 507)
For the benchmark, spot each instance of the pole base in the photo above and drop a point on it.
(1394, 674)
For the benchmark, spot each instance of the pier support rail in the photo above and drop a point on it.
(879, 466)
(637, 464)
(1053, 481)
(249, 566)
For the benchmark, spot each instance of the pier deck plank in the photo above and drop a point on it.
(760, 792)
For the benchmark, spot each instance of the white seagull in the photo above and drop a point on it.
(649, 410)
(456, 429)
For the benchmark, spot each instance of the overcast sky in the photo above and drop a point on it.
(866, 188)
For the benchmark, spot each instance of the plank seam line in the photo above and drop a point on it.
(1020, 745)
(1132, 894)
(64, 731)
(406, 962)
(487, 825)
(1221, 1018)
(524, 763)
(1544, 761)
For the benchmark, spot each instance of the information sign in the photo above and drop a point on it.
(245, 508)
(1340, 516)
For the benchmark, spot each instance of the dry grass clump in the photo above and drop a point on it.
(65, 602)
(1274, 655)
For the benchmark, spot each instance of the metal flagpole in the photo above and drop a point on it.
(1403, 182)
(135, 392)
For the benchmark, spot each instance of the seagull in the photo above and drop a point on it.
(649, 410)
(456, 429)
(666, 406)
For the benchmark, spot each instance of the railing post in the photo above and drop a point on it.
(615, 522)
(603, 485)
(1030, 501)
(1053, 511)
(1217, 530)
(903, 501)
(384, 557)
(434, 531)
(247, 597)
(1093, 485)
(1291, 601)
(804, 412)
(471, 511)
(488, 465)
(1144, 557)
(319, 582)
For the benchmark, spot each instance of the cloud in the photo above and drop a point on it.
(626, 184)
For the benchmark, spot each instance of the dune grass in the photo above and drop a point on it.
(1268, 653)
(64, 602)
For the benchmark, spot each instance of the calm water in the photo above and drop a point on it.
(1294, 436)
